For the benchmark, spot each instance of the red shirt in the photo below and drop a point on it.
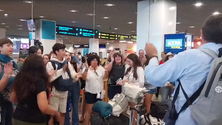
(161, 62)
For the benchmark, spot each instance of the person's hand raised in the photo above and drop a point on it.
(151, 50)
(8, 68)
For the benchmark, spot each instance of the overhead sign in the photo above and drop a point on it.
(76, 31)
(110, 36)
(107, 36)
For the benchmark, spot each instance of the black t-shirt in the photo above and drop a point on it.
(116, 73)
(27, 109)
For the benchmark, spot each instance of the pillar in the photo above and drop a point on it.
(94, 45)
(46, 33)
(2, 33)
(154, 19)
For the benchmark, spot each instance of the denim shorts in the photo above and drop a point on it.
(151, 88)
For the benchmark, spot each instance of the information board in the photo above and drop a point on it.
(76, 31)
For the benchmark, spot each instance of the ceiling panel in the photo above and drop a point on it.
(124, 11)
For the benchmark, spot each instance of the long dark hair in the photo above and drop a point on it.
(27, 79)
(73, 63)
(136, 63)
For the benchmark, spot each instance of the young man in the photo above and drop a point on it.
(58, 100)
(7, 77)
(191, 67)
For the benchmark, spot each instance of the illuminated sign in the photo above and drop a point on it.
(107, 36)
(174, 43)
(76, 31)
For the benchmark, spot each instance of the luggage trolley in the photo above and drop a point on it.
(142, 117)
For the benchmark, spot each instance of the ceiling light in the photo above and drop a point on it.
(133, 31)
(19, 25)
(90, 14)
(19, 28)
(27, 1)
(7, 26)
(178, 22)
(115, 28)
(41, 16)
(192, 27)
(122, 41)
(5, 14)
(1, 10)
(130, 22)
(98, 26)
(129, 42)
(109, 5)
(105, 17)
(73, 11)
(216, 13)
(73, 21)
(172, 8)
(107, 43)
(198, 4)
(113, 32)
(23, 20)
(3, 23)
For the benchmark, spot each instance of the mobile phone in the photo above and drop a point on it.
(83, 70)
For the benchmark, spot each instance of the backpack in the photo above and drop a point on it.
(207, 110)
(62, 84)
(119, 104)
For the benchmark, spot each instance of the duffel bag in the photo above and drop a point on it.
(158, 110)
(97, 119)
(119, 104)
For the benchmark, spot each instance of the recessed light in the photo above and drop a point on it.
(98, 26)
(7, 26)
(5, 14)
(133, 31)
(19, 28)
(19, 25)
(73, 21)
(130, 42)
(178, 22)
(192, 27)
(3, 23)
(198, 4)
(41, 16)
(109, 5)
(130, 22)
(122, 41)
(113, 32)
(1, 10)
(172, 8)
(216, 13)
(23, 20)
(107, 43)
(73, 11)
(27, 1)
(115, 28)
(90, 14)
(106, 17)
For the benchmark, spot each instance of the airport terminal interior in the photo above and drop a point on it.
(110, 62)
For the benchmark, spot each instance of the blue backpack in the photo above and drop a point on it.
(62, 84)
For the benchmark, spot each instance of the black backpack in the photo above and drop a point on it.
(62, 84)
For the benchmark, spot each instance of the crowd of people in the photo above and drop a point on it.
(41, 90)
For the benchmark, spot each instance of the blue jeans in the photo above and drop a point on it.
(6, 113)
(74, 96)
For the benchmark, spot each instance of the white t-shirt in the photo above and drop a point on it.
(131, 80)
(94, 81)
